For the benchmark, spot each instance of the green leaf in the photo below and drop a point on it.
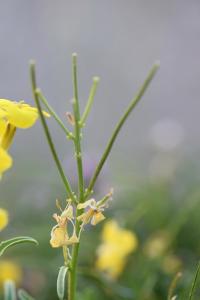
(9, 290)
(17, 240)
(193, 287)
(61, 282)
(23, 295)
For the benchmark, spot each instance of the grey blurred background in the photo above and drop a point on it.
(119, 41)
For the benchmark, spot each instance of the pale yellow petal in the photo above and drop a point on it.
(86, 217)
(58, 237)
(97, 217)
(87, 203)
(72, 240)
(68, 213)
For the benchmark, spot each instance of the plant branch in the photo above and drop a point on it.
(54, 114)
(72, 275)
(90, 101)
(47, 133)
(77, 129)
(119, 126)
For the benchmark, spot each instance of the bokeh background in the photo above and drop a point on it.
(154, 166)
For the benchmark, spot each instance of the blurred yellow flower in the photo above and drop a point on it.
(3, 218)
(10, 271)
(157, 244)
(117, 244)
(13, 115)
(5, 161)
(59, 233)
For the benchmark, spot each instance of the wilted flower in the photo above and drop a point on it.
(117, 244)
(3, 218)
(94, 213)
(59, 233)
(10, 271)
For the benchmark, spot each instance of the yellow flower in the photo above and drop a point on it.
(94, 213)
(10, 271)
(117, 244)
(59, 233)
(13, 115)
(3, 218)
(5, 161)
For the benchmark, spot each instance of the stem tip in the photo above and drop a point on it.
(32, 62)
(74, 55)
(157, 64)
(96, 79)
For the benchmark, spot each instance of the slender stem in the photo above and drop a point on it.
(72, 276)
(90, 100)
(119, 126)
(54, 114)
(193, 287)
(105, 198)
(173, 286)
(47, 133)
(65, 256)
(77, 129)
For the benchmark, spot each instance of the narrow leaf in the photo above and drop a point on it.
(9, 290)
(193, 287)
(61, 282)
(23, 295)
(17, 240)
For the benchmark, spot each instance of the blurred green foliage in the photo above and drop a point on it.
(164, 214)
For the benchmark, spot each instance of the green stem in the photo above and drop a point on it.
(54, 114)
(47, 133)
(65, 255)
(119, 126)
(90, 101)
(72, 276)
(193, 287)
(77, 129)
(173, 286)
(105, 198)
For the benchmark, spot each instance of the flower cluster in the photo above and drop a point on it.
(13, 115)
(117, 244)
(60, 236)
